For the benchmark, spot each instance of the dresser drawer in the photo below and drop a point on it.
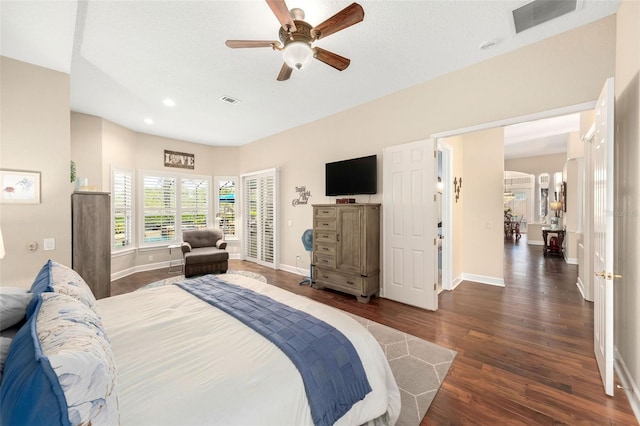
(324, 224)
(324, 260)
(319, 212)
(324, 248)
(325, 237)
(338, 281)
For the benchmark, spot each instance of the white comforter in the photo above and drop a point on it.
(181, 361)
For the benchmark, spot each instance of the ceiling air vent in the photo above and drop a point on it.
(540, 11)
(229, 100)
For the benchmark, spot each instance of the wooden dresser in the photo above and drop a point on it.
(91, 240)
(346, 248)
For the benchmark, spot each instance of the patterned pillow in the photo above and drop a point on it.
(57, 278)
(60, 368)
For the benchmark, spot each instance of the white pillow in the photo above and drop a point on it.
(5, 342)
(13, 305)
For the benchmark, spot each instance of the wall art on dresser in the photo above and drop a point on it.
(180, 160)
(20, 187)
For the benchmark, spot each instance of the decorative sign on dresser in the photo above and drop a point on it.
(346, 248)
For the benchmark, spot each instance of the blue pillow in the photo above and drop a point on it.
(60, 369)
(43, 280)
(30, 393)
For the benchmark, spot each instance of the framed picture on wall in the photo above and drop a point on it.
(20, 187)
(563, 196)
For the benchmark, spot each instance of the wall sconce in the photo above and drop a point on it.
(457, 186)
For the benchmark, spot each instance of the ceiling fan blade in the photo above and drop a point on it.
(347, 17)
(280, 9)
(333, 59)
(238, 44)
(285, 72)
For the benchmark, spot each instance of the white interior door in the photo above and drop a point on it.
(409, 224)
(603, 235)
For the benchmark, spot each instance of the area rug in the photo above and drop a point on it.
(418, 366)
(178, 278)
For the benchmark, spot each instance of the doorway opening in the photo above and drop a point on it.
(454, 250)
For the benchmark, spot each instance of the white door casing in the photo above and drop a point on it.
(602, 175)
(409, 224)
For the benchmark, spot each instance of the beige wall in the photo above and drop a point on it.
(483, 215)
(572, 172)
(627, 190)
(98, 145)
(86, 144)
(35, 137)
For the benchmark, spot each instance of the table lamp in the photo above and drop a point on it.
(556, 206)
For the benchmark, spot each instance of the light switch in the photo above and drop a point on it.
(290, 222)
(49, 244)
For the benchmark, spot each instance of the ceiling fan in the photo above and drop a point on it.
(297, 36)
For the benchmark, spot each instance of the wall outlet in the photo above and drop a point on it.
(298, 256)
(150, 258)
(49, 244)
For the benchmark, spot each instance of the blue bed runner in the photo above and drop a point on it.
(331, 370)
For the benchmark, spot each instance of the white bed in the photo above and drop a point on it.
(208, 367)
(169, 358)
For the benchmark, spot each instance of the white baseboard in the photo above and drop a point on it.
(571, 260)
(580, 286)
(499, 282)
(140, 268)
(152, 266)
(631, 387)
(456, 282)
(535, 242)
(299, 271)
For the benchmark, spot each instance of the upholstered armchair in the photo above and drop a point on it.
(204, 252)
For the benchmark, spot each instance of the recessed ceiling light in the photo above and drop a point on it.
(169, 102)
(488, 44)
(148, 121)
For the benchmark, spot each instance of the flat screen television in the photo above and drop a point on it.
(351, 177)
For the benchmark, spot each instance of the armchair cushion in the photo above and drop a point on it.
(204, 252)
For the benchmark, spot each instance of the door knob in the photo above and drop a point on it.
(607, 275)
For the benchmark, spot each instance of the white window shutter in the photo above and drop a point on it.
(260, 203)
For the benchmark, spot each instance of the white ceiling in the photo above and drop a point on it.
(125, 57)
(540, 137)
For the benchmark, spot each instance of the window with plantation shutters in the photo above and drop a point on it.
(226, 191)
(159, 209)
(260, 219)
(172, 203)
(122, 205)
(194, 203)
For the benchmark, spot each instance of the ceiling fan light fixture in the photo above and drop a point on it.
(297, 54)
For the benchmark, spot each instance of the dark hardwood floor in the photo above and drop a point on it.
(525, 351)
